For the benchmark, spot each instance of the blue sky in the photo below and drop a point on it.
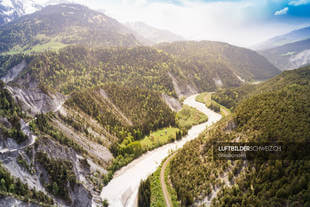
(239, 22)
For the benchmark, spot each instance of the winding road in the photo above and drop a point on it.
(122, 190)
(26, 130)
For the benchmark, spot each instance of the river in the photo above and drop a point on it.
(122, 190)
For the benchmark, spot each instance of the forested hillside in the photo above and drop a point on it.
(76, 68)
(220, 61)
(91, 122)
(288, 51)
(231, 97)
(10, 114)
(127, 114)
(9, 61)
(154, 34)
(113, 108)
(10, 128)
(279, 114)
(124, 111)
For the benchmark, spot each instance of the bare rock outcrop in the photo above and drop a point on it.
(172, 102)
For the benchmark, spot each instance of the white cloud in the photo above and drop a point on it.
(282, 11)
(298, 2)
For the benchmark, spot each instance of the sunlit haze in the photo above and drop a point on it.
(239, 22)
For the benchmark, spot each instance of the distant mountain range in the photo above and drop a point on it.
(154, 34)
(294, 36)
(288, 51)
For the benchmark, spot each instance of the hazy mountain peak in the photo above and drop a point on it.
(289, 56)
(288, 51)
(293, 36)
(153, 34)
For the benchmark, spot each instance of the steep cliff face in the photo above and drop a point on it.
(11, 201)
(172, 102)
(34, 100)
(22, 157)
(25, 164)
(29, 94)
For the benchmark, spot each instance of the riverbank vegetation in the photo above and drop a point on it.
(160, 137)
(144, 193)
(189, 116)
(172, 193)
(155, 196)
(150, 190)
(207, 99)
(133, 149)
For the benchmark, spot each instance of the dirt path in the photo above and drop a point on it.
(163, 183)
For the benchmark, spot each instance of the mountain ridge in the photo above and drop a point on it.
(152, 33)
(12, 9)
(242, 62)
(289, 56)
(287, 51)
(293, 36)
(57, 26)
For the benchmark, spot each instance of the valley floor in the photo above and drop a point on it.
(122, 190)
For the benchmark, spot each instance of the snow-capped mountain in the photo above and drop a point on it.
(11, 9)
